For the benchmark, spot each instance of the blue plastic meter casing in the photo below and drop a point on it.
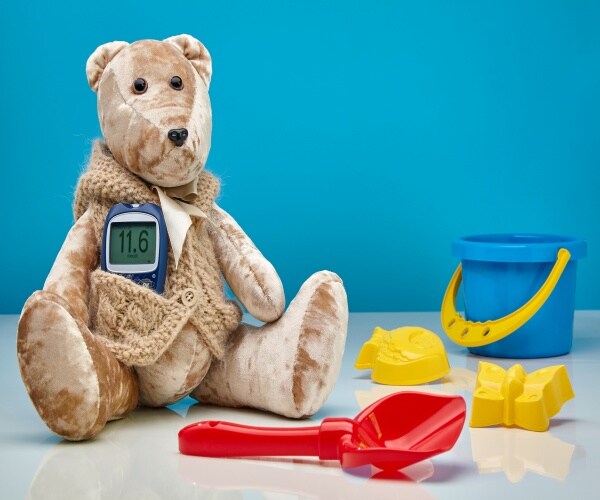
(150, 275)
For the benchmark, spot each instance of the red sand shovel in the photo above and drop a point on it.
(392, 433)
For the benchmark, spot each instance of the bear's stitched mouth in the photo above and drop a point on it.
(185, 161)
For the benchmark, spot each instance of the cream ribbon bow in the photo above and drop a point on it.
(178, 214)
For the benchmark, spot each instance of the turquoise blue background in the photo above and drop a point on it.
(361, 137)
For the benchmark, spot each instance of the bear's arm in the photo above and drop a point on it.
(70, 273)
(251, 277)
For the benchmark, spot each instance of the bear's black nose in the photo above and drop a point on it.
(178, 135)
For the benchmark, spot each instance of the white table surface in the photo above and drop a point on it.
(138, 457)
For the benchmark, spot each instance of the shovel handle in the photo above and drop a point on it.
(213, 438)
(225, 439)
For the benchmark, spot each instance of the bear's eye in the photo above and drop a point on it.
(176, 83)
(140, 86)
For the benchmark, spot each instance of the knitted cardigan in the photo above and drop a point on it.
(136, 323)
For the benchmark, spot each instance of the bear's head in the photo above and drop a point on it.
(154, 107)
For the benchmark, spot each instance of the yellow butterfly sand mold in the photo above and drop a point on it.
(513, 398)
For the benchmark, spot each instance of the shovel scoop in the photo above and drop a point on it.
(394, 432)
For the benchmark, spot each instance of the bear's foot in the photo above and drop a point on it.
(290, 366)
(74, 381)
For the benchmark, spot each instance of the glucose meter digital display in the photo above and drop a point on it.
(135, 244)
(132, 243)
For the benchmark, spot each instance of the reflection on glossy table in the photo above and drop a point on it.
(137, 457)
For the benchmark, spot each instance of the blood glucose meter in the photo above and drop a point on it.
(135, 244)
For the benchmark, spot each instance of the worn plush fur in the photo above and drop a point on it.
(73, 367)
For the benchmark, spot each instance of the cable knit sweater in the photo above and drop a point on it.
(136, 323)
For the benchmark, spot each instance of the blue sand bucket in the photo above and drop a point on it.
(519, 294)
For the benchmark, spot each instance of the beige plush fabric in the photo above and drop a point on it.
(252, 278)
(74, 381)
(177, 372)
(290, 366)
(137, 324)
(69, 277)
(135, 126)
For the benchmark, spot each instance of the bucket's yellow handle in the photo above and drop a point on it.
(476, 333)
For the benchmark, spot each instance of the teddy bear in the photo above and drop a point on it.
(93, 345)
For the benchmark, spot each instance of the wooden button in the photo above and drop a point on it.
(188, 297)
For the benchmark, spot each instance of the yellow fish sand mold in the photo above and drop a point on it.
(405, 356)
(513, 398)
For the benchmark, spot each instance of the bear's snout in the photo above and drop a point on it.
(178, 136)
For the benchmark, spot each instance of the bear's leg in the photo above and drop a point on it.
(75, 382)
(177, 372)
(290, 366)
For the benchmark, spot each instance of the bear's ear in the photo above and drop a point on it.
(196, 53)
(98, 61)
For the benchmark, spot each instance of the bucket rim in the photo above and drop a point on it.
(517, 247)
